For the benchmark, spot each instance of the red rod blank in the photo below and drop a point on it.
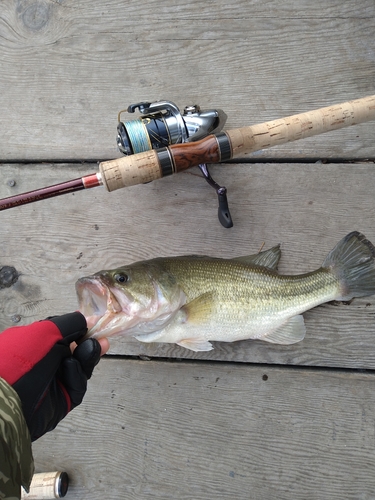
(50, 191)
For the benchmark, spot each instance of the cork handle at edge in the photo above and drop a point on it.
(300, 126)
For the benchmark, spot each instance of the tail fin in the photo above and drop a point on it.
(352, 261)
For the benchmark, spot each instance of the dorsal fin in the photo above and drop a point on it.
(269, 258)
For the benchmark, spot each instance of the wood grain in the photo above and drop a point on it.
(198, 428)
(307, 208)
(217, 431)
(68, 69)
(191, 154)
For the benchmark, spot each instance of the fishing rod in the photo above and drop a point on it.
(164, 141)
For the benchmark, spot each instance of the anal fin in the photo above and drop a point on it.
(196, 345)
(291, 332)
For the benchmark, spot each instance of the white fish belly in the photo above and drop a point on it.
(223, 329)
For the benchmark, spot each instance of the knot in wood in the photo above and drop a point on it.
(8, 276)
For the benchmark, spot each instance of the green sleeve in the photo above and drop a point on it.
(16, 460)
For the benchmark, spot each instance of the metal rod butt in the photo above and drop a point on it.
(47, 486)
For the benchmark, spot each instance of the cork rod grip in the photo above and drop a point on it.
(150, 165)
(300, 126)
(130, 170)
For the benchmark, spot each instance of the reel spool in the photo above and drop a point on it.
(162, 124)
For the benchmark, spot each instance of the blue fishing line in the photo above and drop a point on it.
(138, 136)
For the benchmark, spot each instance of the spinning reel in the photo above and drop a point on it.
(162, 124)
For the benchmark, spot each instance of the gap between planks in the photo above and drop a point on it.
(265, 366)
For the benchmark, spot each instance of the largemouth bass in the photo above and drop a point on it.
(192, 300)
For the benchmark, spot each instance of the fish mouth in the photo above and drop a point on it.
(93, 296)
(97, 303)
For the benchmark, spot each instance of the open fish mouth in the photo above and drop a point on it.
(93, 297)
(97, 303)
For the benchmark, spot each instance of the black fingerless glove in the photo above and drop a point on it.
(37, 361)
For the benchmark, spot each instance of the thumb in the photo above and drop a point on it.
(88, 354)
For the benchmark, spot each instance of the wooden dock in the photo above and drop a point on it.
(248, 420)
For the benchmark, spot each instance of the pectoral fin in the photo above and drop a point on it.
(196, 344)
(199, 309)
(291, 332)
(269, 258)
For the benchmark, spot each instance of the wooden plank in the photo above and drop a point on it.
(195, 430)
(67, 69)
(307, 208)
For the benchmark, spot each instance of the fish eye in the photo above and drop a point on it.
(121, 278)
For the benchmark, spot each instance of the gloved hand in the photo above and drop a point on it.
(37, 361)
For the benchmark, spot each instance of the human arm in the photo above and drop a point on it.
(43, 378)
